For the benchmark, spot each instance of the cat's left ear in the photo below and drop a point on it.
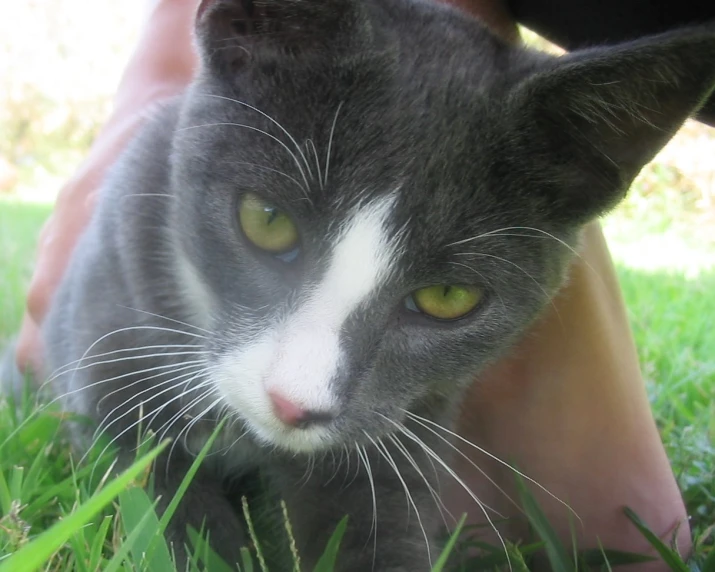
(589, 121)
(232, 34)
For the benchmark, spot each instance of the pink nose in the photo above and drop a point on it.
(294, 415)
(286, 410)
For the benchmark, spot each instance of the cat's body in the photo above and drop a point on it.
(410, 148)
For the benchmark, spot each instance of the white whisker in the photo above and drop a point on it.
(173, 320)
(330, 144)
(187, 428)
(141, 419)
(380, 446)
(271, 119)
(122, 376)
(417, 418)
(69, 366)
(251, 128)
(482, 506)
(193, 374)
(472, 463)
(434, 494)
(363, 456)
(309, 143)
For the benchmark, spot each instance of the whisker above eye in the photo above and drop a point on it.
(507, 261)
(330, 143)
(309, 143)
(271, 119)
(273, 137)
(273, 170)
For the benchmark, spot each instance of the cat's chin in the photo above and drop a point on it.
(292, 440)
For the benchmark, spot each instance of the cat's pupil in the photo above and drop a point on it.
(446, 290)
(272, 216)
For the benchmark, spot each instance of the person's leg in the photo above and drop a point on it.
(569, 408)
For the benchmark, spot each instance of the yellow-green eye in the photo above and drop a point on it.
(267, 227)
(446, 301)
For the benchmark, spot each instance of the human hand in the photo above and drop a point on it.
(162, 65)
(59, 235)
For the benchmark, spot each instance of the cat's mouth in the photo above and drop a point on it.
(296, 439)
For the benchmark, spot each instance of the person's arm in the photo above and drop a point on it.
(161, 66)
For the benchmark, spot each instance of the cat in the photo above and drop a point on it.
(353, 209)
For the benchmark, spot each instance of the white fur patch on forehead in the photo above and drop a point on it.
(363, 258)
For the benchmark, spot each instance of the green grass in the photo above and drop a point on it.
(19, 226)
(65, 518)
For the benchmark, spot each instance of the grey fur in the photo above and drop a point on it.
(477, 135)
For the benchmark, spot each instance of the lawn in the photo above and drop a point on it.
(671, 313)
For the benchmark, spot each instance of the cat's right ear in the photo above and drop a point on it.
(232, 34)
(586, 123)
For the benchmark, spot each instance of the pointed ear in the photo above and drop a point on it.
(591, 120)
(233, 33)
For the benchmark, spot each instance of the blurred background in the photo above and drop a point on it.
(60, 61)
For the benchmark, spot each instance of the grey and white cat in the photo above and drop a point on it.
(354, 208)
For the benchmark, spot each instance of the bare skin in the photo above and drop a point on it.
(571, 411)
(569, 407)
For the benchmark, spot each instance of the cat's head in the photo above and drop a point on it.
(377, 197)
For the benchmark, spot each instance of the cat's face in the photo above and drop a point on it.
(368, 213)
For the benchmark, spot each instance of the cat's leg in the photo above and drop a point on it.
(570, 409)
(392, 520)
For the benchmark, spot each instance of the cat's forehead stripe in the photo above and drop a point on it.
(311, 352)
(362, 259)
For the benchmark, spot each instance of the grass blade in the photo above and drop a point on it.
(669, 556)
(150, 546)
(330, 556)
(555, 551)
(34, 554)
(449, 546)
(126, 547)
(186, 481)
(202, 551)
(95, 553)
